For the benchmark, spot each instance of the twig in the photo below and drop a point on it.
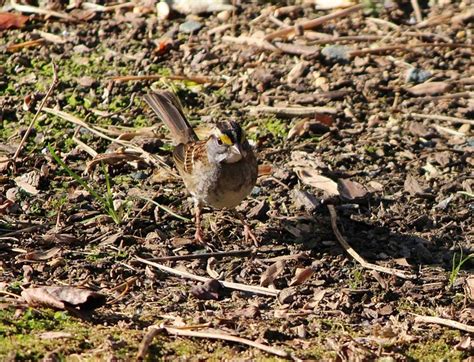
(417, 10)
(217, 255)
(25, 44)
(349, 250)
(277, 47)
(407, 48)
(38, 111)
(354, 38)
(37, 10)
(196, 79)
(442, 97)
(313, 23)
(25, 230)
(444, 322)
(147, 340)
(230, 285)
(436, 117)
(102, 8)
(152, 158)
(292, 111)
(227, 337)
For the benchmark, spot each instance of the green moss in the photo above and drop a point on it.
(439, 349)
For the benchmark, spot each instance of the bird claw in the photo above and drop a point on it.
(248, 234)
(198, 236)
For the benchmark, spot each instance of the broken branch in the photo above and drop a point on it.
(349, 250)
(230, 285)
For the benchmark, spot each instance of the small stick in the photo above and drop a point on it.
(152, 158)
(25, 44)
(417, 10)
(444, 96)
(38, 111)
(313, 23)
(147, 340)
(227, 337)
(38, 10)
(349, 250)
(278, 47)
(25, 230)
(444, 322)
(436, 117)
(217, 255)
(230, 285)
(409, 48)
(292, 111)
(195, 79)
(356, 38)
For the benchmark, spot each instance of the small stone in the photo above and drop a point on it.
(224, 15)
(190, 26)
(336, 52)
(417, 75)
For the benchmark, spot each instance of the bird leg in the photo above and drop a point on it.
(197, 217)
(248, 234)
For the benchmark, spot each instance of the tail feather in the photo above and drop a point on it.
(167, 107)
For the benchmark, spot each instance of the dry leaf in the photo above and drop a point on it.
(313, 178)
(63, 297)
(351, 190)
(301, 275)
(209, 290)
(12, 20)
(429, 88)
(264, 170)
(412, 186)
(317, 297)
(470, 287)
(29, 182)
(305, 126)
(41, 255)
(272, 272)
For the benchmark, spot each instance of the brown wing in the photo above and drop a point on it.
(186, 155)
(166, 106)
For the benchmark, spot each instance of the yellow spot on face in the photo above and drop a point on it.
(225, 139)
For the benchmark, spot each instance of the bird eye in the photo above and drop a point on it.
(219, 141)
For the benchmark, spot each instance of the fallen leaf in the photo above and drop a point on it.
(313, 178)
(264, 170)
(402, 262)
(301, 275)
(41, 255)
(412, 186)
(272, 272)
(429, 88)
(287, 295)
(305, 126)
(351, 190)
(29, 182)
(12, 20)
(470, 287)
(63, 297)
(209, 290)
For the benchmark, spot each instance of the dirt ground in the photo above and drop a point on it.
(370, 111)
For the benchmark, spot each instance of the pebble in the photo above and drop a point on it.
(190, 26)
(417, 75)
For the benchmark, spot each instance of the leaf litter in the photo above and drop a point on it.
(398, 180)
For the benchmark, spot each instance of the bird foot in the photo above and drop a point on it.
(248, 234)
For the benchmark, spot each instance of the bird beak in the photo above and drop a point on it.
(235, 154)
